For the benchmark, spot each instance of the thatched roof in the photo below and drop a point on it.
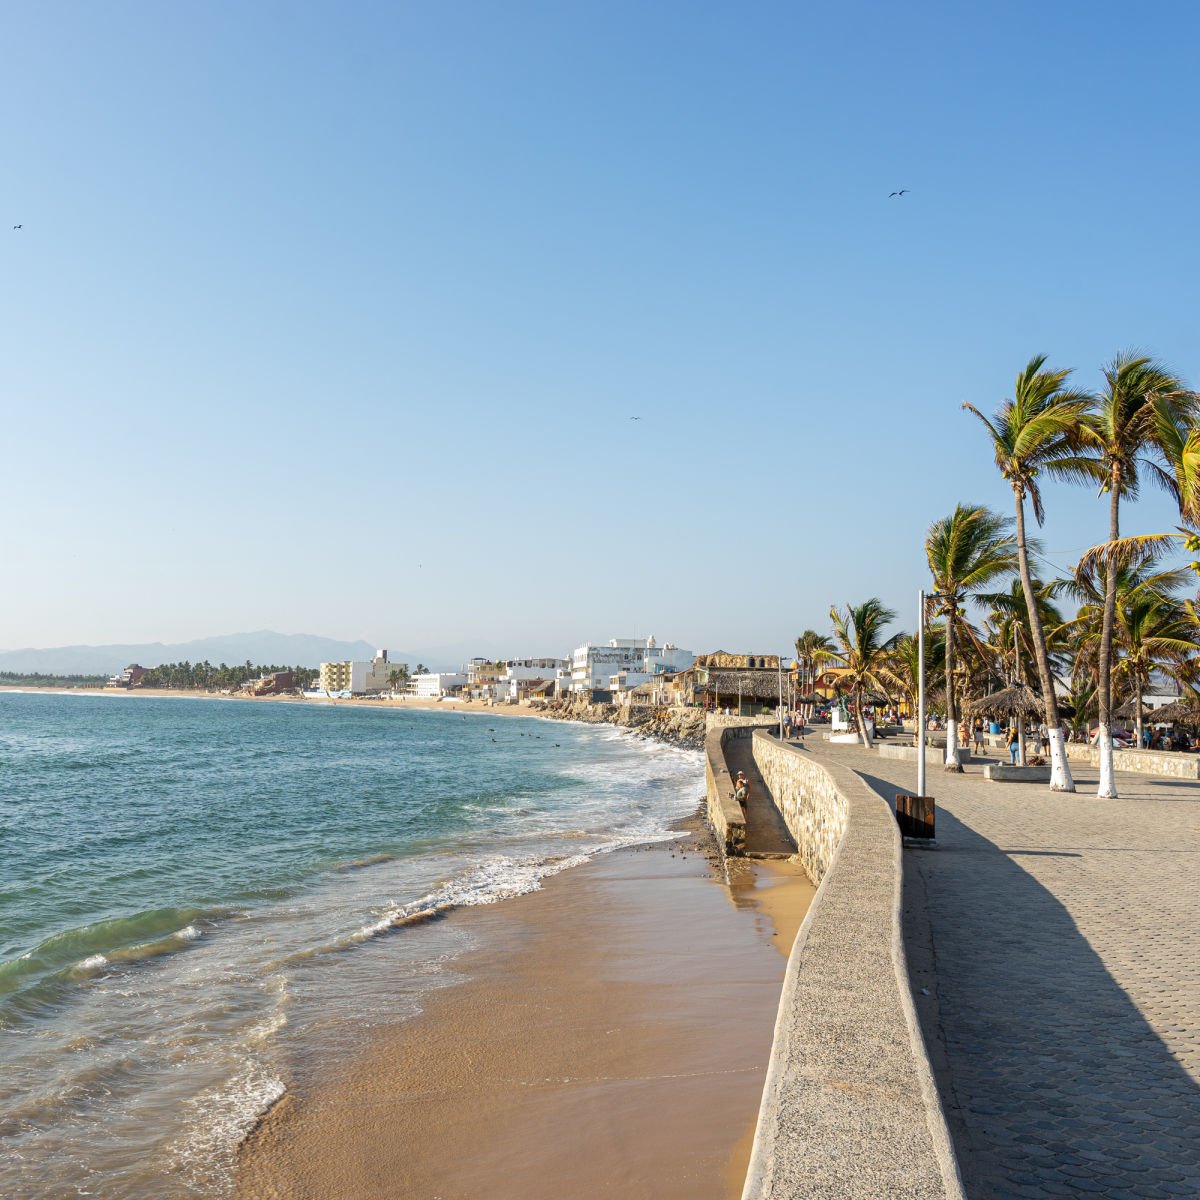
(753, 685)
(1177, 712)
(1020, 700)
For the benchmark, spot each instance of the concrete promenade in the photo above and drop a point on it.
(1058, 939)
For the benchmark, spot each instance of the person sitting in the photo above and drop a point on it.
(741, 789)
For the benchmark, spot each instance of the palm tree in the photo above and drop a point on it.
(967, 550)
(1118, 437)
(1152, 628)
(862, 651)
(902, 667)
(812, 651)
(1031, 433)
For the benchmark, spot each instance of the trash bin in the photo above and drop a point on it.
(993, 727)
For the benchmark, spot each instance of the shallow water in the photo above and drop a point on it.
(195, 891)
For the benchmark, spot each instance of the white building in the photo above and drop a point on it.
(433, 685)
(520, 673)
(593, 667)
(362, 678)
(510, 678)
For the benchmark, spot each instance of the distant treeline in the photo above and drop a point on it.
(204, 676)
(39, 679)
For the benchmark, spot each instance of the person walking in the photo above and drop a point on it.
(977, 735)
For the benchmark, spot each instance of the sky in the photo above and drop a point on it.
(335, 319)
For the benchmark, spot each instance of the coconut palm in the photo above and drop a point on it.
(862, 651)
(966, 551)
(902, 667)
(1006, 632)
(1140, 402)
(1035, 432)
(1152, 629)
(812, 652)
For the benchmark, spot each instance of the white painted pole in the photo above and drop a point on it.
(921, 693)
(779, 664)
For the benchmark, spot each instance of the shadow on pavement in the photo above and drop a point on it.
(1054, 1082)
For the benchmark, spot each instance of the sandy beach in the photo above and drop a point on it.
(611, 1039)
(475, 707)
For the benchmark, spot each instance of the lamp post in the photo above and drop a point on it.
(921, 598)
(779, 664)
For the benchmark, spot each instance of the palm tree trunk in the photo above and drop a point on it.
(952, 763)
(1060, 771)
(1107, 789)
(862, 720)
(1141, 719)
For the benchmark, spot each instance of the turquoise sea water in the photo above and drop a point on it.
(198, 897)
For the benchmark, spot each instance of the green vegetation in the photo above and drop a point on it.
(203, 676)
(1133, 621)
(41, 679)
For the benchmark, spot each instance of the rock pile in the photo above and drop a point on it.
(678, 726)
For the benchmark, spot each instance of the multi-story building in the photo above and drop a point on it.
(510, 678)
(433, 685)
(593, 667)
(363, 678)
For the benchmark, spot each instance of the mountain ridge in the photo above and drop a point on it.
(263, 646)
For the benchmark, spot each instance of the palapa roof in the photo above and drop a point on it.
(755, 684)
(1178, 711)
(1019, 700)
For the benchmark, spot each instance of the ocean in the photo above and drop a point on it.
(202, 900)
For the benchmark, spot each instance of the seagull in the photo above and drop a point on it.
(901, 192)
(18, 226)
(635, 418)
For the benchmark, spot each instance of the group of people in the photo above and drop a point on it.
(793, 726)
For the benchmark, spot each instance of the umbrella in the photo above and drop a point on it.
(812, 698)
(1016, 701)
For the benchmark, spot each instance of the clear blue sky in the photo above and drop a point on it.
(332, 318)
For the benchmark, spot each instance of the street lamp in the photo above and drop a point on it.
(921, 598)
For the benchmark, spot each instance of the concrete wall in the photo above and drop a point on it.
(724, 813)
(849, 1109)
(1146, 762)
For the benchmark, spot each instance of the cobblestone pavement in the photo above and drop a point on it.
(1063, 963)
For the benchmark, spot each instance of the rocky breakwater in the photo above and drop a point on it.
(678, 726)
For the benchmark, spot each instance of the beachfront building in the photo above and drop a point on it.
(363, 678)
(743, 683)
(434, 685)
(510, 678)
(593, 666)
(128, 678)
(523, 676)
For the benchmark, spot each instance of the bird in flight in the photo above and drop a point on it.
(635, 418)
(18, 226)
(901, 192)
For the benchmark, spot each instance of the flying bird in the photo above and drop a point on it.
(18, 226)
(635, 418)
(901, 192)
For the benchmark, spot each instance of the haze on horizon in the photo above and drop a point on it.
(336, 322)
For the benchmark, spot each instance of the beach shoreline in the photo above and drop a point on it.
(611, 1036)
(407, 703)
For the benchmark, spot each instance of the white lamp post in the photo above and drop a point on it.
(921, 598)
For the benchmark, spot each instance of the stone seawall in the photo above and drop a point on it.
(724, 813)
(1146, 762)
(849, 1109)
(812, 807)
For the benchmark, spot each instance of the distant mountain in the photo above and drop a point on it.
(265, 646)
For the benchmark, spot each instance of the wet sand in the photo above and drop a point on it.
(611, 1040)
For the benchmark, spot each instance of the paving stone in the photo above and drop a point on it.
(1066, 942)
